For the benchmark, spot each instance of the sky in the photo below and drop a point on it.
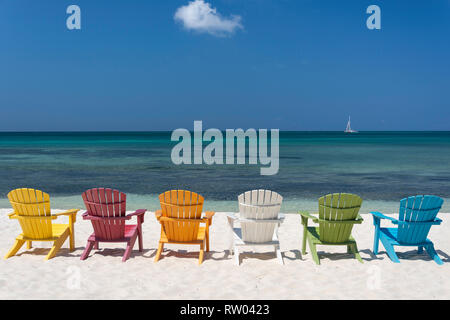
(275, 64)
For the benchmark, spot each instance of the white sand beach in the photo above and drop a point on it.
(178, 276)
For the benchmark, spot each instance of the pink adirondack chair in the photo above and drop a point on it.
(106, 210)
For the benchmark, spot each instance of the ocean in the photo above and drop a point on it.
(381, 167)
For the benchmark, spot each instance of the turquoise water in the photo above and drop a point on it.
(382, 167)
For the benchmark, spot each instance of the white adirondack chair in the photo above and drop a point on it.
(259, 218)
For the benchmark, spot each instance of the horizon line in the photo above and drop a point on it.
(144, 131)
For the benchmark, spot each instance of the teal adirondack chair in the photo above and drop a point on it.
(416, 216)
(338, 212)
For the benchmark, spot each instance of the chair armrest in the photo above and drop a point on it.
(359, 219)
(158, 214)
(231, 215)
(138, 212)
(231, 218)
(306, 215)
(281, 217)
(208, 218)
(12, 215)
(67, 213)
(379, 215)
(209, 214)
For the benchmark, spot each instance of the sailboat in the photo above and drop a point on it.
(349, 129)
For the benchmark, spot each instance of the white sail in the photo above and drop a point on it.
(349, 128)
(348, 125)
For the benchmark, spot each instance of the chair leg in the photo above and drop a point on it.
(29, 244)
(305, 231)
(432, 253)
(72, 241)
(314, 254)
(130, 245)
(72, 232)
(354, 249)
(236, 255)
(376, 240)
(87, 250)
(207, 241)
(17, 245)
(279, 255)
(158, 253)
(390, 250)
(57, 245)
(420, 249)
(202, 249)
(140, 241)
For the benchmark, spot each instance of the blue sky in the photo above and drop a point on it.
(287, 64)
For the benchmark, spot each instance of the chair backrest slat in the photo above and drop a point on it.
(259, 205)
(181, 204)
(337, 207)
(28, 202)
(105, 202)
(416, 209)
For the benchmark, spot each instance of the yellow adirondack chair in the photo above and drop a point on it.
(32, 209)
(180, 219)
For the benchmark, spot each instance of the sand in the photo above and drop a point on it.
(178, 276)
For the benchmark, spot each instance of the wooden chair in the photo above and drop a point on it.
(416, 216)
(182, 221)
(259, 218)
(106, 209)
(32, 210)
(338, 212)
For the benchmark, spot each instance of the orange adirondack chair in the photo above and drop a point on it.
(182, 221)
(32, 210)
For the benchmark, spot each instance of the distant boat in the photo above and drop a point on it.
(349, 129)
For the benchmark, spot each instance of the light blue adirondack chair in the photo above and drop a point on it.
(416, 216)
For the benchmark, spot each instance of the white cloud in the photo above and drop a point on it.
(199, 16)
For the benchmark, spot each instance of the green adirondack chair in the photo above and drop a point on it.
(338, 212)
